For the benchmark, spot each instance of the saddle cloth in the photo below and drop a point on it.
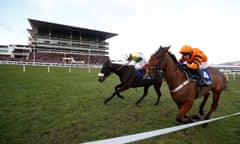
(206, 76)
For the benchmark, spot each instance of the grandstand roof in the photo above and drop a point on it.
(45, 27)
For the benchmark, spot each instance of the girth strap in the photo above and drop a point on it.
(180, 86)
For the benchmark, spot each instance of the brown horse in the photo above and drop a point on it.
(184, 90)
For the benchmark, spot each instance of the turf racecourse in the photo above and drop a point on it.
(59, 106)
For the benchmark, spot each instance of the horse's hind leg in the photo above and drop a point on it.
(201, 107)
(216, 96)
(144, 94)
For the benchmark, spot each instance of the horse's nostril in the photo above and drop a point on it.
(101, 79)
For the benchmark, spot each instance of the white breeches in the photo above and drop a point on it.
(139, 65)
(203, 65)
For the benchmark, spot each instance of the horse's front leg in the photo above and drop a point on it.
(117, 91)
(144, 94)
(114, 93)
(109, 98)
(184, 108)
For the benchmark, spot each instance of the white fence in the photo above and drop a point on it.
(50, 64)
(230, 73)
(145, 135)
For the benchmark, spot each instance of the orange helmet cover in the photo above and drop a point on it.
(186, 49)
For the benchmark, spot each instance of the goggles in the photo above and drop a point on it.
(186, 54)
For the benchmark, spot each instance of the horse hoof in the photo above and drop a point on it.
(179, 119)
(207, 117)
(137, 103)
(195, 117)
(105, 102)
(201, 113)
(188, 121)
(156, 103)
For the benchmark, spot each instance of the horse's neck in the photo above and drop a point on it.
(116, 68)
(172, 74)
(123, 71)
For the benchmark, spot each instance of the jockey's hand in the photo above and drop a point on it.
(184, 66)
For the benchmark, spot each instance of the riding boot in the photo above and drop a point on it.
(202, 80)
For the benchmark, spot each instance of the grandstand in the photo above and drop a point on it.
(14, 52)
(5, 52)
(58, 43)
(53, 42)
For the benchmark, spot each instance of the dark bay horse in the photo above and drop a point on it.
(183, 90)
(129, 79)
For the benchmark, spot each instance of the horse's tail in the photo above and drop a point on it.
(221, 78)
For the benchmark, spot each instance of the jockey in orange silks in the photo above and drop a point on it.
(194, 58)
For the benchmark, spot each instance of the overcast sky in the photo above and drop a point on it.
(142, 25)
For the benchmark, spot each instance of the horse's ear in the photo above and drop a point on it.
(168, 47)
(107, 61)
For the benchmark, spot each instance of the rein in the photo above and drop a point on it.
(119, 68)
(179, 86)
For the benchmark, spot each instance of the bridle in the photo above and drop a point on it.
(157, 66)
(117, 69)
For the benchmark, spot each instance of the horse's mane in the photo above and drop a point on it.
(173, 57)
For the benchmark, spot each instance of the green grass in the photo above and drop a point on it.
(37, 106)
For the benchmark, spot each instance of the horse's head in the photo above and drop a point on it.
(105, 71)
(157, 61)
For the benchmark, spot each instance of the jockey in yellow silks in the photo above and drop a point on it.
(138, 59)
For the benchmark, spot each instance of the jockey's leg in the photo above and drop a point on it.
(202, 80)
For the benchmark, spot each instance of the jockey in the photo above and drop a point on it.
(194, 58)
(138, 59)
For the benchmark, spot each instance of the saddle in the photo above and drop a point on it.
(196, 76)
(139, 73)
